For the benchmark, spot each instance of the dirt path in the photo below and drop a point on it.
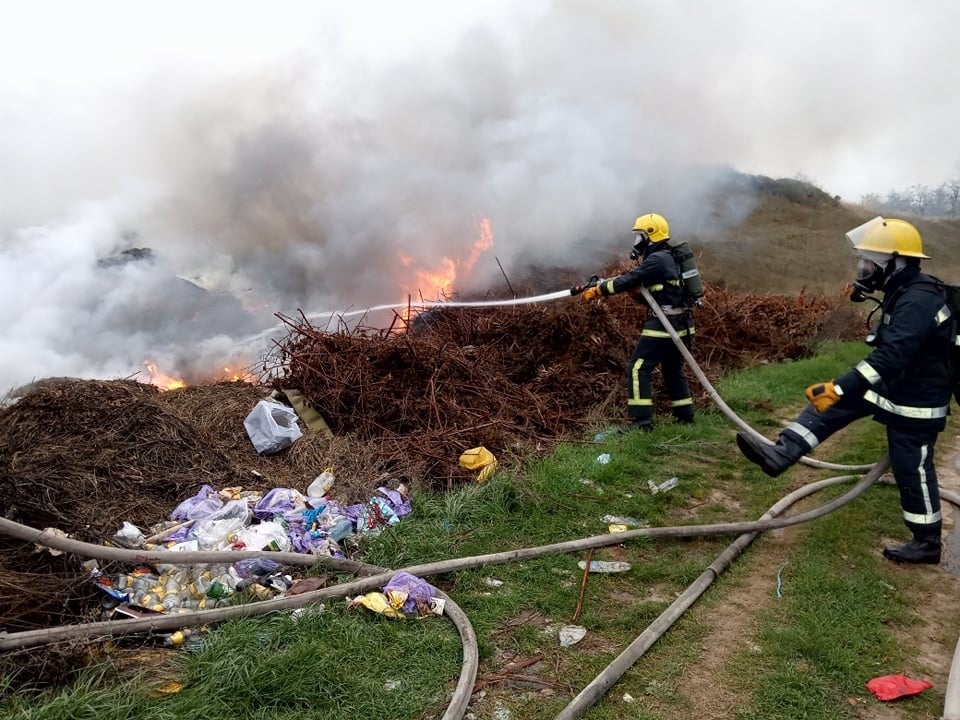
(934, 593)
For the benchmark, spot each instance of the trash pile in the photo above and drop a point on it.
(282, 519)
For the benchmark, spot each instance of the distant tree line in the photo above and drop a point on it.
(921, 200)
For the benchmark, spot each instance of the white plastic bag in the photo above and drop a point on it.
(265, 535)
(218, 531)
(271, 427)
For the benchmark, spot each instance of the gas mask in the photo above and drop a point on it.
(871, 275)
(641, 241)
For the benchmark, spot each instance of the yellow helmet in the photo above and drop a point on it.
(655, 226)
(891, 237)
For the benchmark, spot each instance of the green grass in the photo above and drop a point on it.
(809, 651)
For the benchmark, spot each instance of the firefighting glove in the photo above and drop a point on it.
(823, 395)
(591, 293)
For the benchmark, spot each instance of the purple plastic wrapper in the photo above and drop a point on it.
(278, 501)
(250, 567)
(418, 591)
(203, 504)
(398, 503)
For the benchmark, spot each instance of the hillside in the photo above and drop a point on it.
(790, 242)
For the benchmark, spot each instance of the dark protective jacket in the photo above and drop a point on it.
(658, 272)
(907, 378)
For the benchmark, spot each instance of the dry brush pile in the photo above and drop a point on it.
(511, 377)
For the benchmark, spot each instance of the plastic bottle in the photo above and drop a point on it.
(171, 602)
(321, 484)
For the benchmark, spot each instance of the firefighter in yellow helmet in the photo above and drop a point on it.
(659, 272)
(904, 383)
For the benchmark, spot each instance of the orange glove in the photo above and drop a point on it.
(591, 293)
(823, 395)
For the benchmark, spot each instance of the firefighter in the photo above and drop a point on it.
(904, 382)
(659, 272)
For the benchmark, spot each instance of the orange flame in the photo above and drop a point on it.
(236, 375)
(438, 282)
(171, 382)
(161, 380)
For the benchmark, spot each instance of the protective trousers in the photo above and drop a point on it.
(656, 348)
(911, 450)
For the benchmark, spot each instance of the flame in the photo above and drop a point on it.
(236, 375)
(438, 282)
(483, 243)
(171, 382)
(162, 380)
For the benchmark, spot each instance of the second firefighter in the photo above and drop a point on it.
(660, 273)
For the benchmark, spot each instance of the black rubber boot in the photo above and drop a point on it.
(772, 459)
(641, 425)
(916, 551)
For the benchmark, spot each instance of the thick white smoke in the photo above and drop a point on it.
(304, 174)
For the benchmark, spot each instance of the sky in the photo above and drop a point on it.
(319, 156)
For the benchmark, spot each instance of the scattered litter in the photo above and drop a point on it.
(40, 547)
(405, 595)
(129, 536)
(571, 635)
(891, 687)
(606, 433)
(623, 520)
(501, 713)
(662, 487)
(297, 614)
(627, 698)
(479, 458)
(779, 580)
(615, 528)
(603, 566)
(492, 582)
(603, 458)
(391, 685)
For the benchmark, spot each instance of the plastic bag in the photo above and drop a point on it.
(271, 427)
(129, 536)
(479, 458)
(278, 501)
(216, 531)
(203, 504)
(891, 687)
(264, 536)
(409, 594)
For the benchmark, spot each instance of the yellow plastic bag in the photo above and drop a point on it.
(378, 603)
(479, 458)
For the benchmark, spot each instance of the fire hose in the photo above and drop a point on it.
(376, 577)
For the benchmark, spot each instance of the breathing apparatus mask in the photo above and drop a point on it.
(873, 268)
(641, 241)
